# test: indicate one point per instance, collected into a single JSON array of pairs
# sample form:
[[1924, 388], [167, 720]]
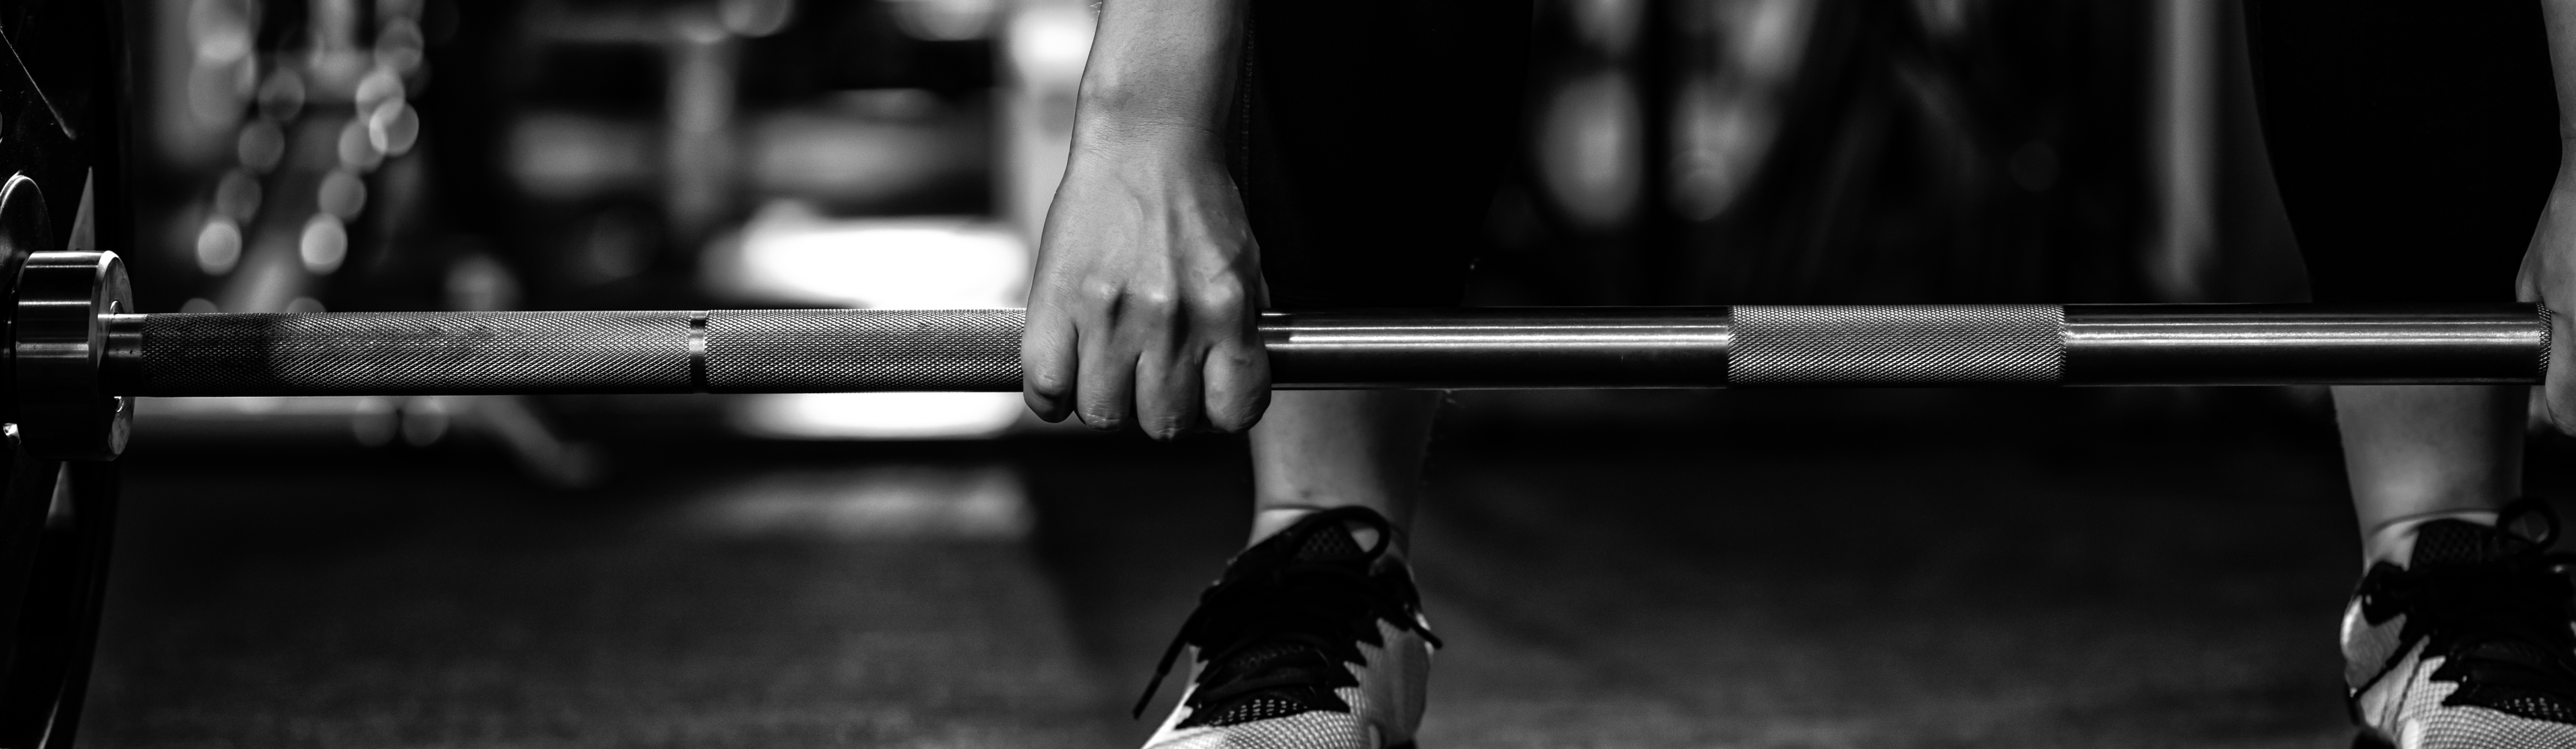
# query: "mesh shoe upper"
[[1308, 640], [2470, 645]]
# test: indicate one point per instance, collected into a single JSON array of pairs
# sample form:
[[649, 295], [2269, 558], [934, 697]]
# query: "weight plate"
[[63, 130], [55, 522]]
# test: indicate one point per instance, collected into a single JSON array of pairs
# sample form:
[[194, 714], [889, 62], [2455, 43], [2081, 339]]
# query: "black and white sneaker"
[[1309, 641], [2472, 644]]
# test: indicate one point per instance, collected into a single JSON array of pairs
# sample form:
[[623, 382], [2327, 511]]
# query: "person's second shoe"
[[1313, 639], [2468, 645]]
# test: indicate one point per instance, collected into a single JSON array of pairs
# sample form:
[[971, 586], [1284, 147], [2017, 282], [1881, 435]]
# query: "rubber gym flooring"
[[1904, 568]]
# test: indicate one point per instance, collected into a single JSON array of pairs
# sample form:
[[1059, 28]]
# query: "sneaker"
[[2470, 645], [1309, 641]]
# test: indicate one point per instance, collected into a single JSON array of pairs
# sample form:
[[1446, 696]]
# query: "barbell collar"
[[756, 351], [63, 409]]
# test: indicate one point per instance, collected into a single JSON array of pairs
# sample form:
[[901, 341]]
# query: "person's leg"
[[1371, 136], [2414, 147], [2419, 453], [1314, 638], [1320, 449]]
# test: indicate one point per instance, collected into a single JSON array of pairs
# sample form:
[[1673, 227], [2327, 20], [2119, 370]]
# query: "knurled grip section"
[[1898, 345], [359, 353], [2548, 330], [799, 351]]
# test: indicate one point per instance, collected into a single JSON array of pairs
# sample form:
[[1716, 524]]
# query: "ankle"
[[2393, 541]]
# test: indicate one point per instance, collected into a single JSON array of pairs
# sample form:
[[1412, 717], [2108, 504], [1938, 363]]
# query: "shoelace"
[[2500, 623], [1286, 625]]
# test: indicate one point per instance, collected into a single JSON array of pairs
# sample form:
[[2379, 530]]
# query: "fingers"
[[1119, 359], [1167, 392], [1238, 383], [1135, 364], [2558, 385], [1137, 286], [1105, 390], [1048, 353]]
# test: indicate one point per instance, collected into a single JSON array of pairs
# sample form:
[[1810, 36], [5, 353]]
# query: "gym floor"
[[1901, 568]]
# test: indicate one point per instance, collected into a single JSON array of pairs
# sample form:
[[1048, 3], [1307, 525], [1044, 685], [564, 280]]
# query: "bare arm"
[[1148, 280], [1160, 71]]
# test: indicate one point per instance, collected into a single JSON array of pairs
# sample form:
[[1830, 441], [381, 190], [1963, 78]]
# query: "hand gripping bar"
[[754, 351]]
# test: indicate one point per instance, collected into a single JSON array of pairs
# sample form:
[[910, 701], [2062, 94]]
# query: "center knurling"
[[1897, 345]]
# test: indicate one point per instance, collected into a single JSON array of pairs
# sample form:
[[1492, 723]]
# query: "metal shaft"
[[746, 351]]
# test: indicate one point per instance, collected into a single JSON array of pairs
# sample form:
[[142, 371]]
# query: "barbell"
[[80, 356], [75, 353]]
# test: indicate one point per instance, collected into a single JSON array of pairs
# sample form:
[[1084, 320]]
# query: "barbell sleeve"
[[754, 351]]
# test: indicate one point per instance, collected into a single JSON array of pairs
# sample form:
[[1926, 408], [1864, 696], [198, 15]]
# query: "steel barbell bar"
[[757, 351], [80, 355]]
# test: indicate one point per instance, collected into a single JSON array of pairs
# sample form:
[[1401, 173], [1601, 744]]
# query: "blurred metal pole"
[[2183, 107], [698, 122]]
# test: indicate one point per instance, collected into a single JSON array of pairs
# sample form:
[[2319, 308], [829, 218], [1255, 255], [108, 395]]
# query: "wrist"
[[1146, 147], [1135, 126], [1165, 91]]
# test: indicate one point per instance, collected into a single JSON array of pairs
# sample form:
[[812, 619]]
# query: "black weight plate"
[[36, 512], [57, 629], [61, 106], [63, 87]]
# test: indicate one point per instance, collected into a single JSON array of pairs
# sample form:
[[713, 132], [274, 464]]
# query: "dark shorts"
[[1369, 139], [2414, 143]]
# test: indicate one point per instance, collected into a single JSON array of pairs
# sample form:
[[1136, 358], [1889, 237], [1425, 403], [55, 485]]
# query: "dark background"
[[2105, 567]]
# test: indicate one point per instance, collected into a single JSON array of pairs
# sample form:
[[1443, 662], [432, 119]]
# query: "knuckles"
[[1217, 310], [1220, 303]]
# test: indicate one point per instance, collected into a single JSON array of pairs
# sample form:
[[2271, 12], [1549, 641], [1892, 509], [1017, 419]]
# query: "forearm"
[[1161, 74], [2559, 16]]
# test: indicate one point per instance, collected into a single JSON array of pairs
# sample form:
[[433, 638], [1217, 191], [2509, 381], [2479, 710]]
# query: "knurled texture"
[[800, 351], [2548, 330], [1898, 345], [416, 353]]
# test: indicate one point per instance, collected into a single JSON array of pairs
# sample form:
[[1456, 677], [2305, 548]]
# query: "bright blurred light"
[[219, 246], [567, 156], [754, 17], [789, 255], [342, 195], [1049, 43], [356, 150], [324, 244], [878, 415], [980, 502], [1592, 148], [867, 146], [393, 128], [944, 20]]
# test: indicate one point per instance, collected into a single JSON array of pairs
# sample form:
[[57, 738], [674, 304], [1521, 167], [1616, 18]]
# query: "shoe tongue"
[[1340, 534], [2442, 542], [1332, 542]]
